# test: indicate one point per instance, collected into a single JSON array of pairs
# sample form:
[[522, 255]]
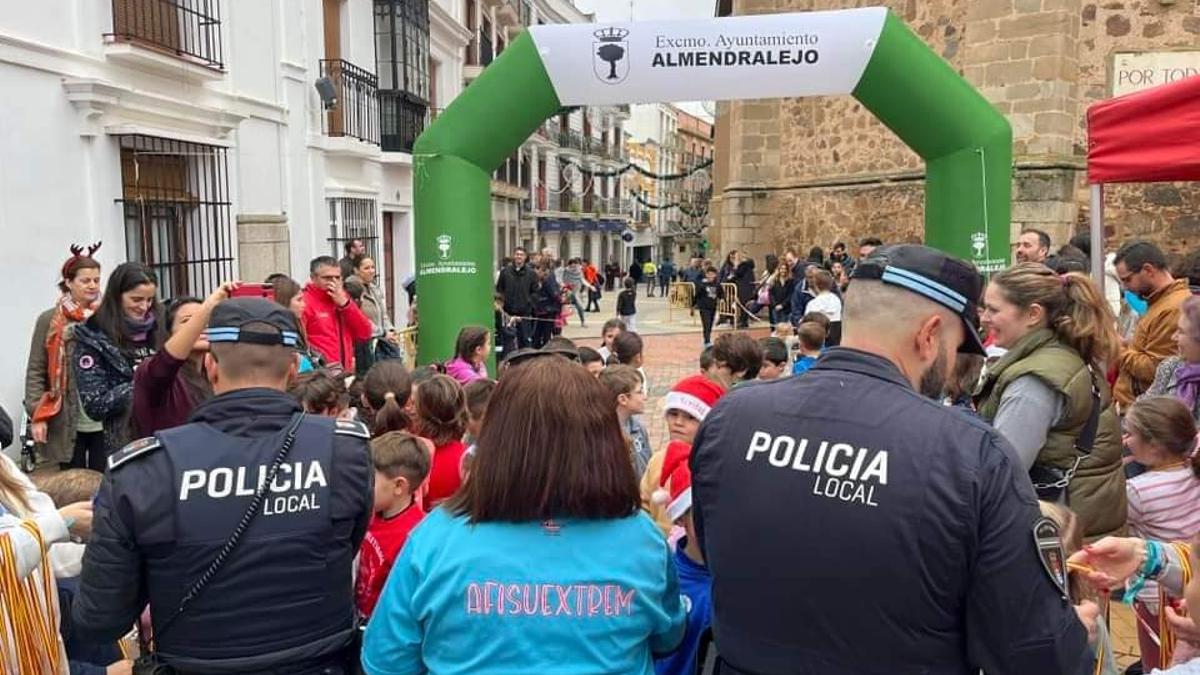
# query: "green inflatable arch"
[[869, 53]]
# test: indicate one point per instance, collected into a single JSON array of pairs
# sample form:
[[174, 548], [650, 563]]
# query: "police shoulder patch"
[[142, 446], [352, 428], [1048, 538]]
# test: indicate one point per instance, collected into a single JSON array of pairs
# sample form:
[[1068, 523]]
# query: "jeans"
[[593, 299], [650, 287], [630, 321], [543, 331], [525, 330], [706, 321], [578, 308]]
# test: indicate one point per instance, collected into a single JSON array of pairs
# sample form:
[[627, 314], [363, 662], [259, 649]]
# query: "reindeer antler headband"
[[78, 256]]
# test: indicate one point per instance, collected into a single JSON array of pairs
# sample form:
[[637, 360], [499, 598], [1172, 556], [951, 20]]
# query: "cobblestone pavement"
[[672, 352]]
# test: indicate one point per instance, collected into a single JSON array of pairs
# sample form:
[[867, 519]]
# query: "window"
[[188, 29], [402, 62], [175, 202], [351, 219]]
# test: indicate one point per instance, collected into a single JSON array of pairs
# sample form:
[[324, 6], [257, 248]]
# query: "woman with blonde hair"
[[1047, 395], [29, 614]]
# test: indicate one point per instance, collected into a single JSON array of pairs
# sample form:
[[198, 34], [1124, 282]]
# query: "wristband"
[[1150, 566], [70, 521]]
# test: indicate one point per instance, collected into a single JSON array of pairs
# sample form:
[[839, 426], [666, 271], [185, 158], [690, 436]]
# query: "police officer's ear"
[[293, 369], [210, 368], [929, 336]]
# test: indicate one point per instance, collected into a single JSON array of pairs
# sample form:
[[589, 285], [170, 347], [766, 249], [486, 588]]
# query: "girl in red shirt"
[[441, 410]]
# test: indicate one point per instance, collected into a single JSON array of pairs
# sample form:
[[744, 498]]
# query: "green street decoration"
[[868, 53]]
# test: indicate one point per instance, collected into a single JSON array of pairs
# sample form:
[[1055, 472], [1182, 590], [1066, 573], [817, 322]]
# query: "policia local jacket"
[[283, 601], [852, 525]]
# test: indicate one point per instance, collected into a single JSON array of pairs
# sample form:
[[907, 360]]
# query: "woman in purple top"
[[170, 384], [471, 353]]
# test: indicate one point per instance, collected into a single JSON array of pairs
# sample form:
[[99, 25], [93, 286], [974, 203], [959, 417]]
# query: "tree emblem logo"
[[978, 242], [610, 55], [443, 244]]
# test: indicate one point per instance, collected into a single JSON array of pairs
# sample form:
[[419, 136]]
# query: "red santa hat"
[[694, 395], [677, 475]]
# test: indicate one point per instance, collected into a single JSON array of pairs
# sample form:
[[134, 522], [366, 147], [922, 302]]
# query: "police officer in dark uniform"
[[280, 600], [852, 524]]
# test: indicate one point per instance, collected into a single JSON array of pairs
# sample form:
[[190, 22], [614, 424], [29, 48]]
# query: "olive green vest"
[[1097, 492]]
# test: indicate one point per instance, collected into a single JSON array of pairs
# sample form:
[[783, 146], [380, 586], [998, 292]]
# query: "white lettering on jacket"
[[243, 481], [841, 471]]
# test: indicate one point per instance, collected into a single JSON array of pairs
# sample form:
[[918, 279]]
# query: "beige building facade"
[[805, 172]]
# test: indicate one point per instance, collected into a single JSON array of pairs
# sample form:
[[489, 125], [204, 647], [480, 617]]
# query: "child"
[[737, 359], [478, 393], [441, 412], [591, 359], [687, 404], [612, 328], [1161, 435], [387, 391], [321, 393], [401, 464], [628, 350], [708, 293], [625, 386], [627, 304], [775, 358], [812, 336], [66, 559], [708, 364], [695, 582], [829, 304]]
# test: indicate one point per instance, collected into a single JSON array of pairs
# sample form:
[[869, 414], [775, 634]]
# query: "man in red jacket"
[[332, 322]]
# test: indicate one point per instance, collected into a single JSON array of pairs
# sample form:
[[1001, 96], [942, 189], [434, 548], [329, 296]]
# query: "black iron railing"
[[176, 205], [188, 29], [356, 113], [570, 139], [402, 119]]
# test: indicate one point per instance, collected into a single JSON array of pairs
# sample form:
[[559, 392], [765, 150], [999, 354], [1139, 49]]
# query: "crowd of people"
[[908, 459]]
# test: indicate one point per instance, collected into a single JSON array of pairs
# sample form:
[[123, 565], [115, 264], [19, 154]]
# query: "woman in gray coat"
[[60, 428]]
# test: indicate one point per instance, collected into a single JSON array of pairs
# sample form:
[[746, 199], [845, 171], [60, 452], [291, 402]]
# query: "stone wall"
[[812, 171]]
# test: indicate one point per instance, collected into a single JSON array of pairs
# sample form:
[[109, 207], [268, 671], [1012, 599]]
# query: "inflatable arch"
[[869, 53]]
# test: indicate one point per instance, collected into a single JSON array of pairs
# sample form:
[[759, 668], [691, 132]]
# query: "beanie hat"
[[694, 395], [675, 469]]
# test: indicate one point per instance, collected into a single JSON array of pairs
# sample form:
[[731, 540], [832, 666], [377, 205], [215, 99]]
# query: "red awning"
[[1147, 136]]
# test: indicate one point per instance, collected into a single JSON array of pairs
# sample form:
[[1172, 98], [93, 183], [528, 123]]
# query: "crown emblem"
[[613, 34], [979, 237]]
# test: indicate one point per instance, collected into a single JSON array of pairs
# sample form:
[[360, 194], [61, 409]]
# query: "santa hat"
[[678, 476], [694, 395]]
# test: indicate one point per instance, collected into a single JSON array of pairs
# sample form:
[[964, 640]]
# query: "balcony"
[[356, 112], [614, 206], [570, 140], [402, 119], [180, 30]]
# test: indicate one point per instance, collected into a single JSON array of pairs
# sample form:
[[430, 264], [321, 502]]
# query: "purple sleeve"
[[152, 385]]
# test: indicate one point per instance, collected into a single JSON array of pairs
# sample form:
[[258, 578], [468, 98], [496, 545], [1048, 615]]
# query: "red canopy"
[[1147, 136]]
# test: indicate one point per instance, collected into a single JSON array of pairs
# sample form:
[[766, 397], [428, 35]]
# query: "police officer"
[[854, 525], [280, 600]]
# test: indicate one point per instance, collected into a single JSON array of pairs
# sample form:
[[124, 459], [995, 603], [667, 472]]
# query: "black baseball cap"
[[952, 283], [229, 318]]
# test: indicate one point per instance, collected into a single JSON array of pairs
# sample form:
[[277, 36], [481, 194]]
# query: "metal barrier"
[[408, 343], [681, 295], [728, 305]]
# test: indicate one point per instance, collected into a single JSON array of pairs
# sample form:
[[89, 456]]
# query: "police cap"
[[946, 280], [229, 319]]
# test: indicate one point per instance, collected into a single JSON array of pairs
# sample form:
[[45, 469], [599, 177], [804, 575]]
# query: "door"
[[332, 15]]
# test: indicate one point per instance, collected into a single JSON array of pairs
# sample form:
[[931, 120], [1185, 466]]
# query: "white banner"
[[741, 57]]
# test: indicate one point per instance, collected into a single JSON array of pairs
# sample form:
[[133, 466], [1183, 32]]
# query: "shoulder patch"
[[352, 428], [1047, 537], [136, 449]]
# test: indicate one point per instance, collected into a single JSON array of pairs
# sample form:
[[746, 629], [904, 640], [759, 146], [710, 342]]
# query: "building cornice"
[[446, 30], [104, 107]]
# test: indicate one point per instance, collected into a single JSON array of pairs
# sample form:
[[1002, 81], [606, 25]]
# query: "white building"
[[188, 134], [655, 125], [546, 195]]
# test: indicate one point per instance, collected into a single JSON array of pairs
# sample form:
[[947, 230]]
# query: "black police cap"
[[946, 280], [229, 318]]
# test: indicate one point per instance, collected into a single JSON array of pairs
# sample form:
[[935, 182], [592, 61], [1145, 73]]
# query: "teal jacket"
[[569, 596]]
